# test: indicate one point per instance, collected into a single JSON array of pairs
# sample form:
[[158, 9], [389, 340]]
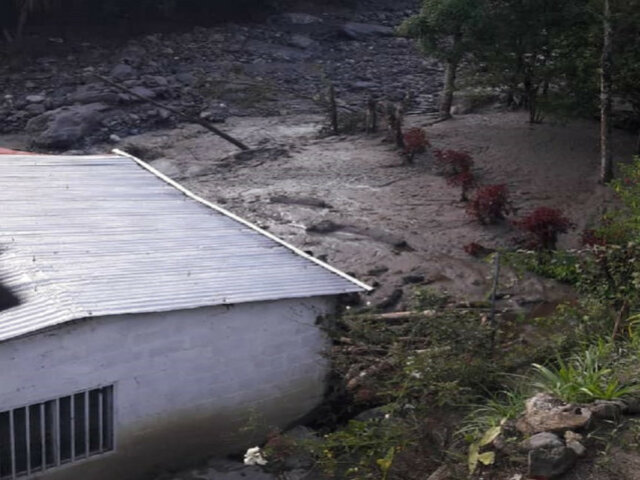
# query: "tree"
[[532, 46], [448, 30], [606, 82]]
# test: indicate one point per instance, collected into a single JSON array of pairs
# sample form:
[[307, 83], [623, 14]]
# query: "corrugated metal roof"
[[105, 235]]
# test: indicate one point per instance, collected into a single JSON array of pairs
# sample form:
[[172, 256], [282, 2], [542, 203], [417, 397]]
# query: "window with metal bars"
[[37, 437]]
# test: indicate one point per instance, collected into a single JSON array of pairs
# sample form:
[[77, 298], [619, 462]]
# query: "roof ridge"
[[241, 220]]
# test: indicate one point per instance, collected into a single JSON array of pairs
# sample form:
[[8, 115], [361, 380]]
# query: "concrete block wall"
[[188, 384]]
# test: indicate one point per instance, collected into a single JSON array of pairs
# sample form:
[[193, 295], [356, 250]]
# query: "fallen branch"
[[188, 118], [396, 315]]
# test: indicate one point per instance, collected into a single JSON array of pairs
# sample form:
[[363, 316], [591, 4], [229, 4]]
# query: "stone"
[[542, 440], [411, 279], [143, 92], [324, 226], [123, 71], [633, 405], [35, 98], [442, 473], [607, 409], [301, 41], [550, 463], [364, 85], [294, 18], [92, 93], [114, 138], [362, 31], [544, 413], [35, 108], [65, 126], [577, 447], [186, 78]]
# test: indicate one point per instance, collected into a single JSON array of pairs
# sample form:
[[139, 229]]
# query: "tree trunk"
[[606, 157], [449, 88], [22, 20], [333, 110]]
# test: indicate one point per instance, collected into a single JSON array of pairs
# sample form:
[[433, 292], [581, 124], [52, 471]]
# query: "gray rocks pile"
[[554, 443], [231, 69]]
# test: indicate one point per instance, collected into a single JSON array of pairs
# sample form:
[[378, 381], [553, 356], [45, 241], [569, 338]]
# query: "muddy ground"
[[393, 225]]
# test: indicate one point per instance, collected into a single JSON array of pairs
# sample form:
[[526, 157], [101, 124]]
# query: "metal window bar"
[[52, 430], [27, 430]]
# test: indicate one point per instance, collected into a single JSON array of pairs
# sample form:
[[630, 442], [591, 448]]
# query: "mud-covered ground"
[[354, 201]]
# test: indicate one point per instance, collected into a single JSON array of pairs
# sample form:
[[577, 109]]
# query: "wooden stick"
[[188, 118]]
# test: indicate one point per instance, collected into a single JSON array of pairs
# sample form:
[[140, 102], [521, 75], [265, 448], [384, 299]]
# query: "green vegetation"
[[453, 368]]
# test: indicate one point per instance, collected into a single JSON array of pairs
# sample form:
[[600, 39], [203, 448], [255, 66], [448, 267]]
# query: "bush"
[[542, 227], [466, 181], [415, 141], [490, 204], [454, 162]]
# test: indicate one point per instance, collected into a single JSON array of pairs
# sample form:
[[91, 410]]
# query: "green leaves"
[[486, 458]]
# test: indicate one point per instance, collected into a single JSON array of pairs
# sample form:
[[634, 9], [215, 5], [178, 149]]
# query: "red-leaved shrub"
[[542, 227], [490, 204], [415, 141], [454, 162], [465, 180]]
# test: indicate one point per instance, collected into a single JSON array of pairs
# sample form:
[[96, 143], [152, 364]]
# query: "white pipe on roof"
[[252, 226]]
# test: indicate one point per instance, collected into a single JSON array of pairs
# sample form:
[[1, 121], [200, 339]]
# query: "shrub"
[[542, 227], [465, 180], [490, 204], [415, 141], [454, 162]]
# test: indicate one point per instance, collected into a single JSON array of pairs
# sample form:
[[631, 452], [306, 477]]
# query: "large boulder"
[[544, 413], [65, 126], [547, 463], [362, 31]]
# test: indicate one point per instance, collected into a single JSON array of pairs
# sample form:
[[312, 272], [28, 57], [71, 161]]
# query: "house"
[[154, 329]]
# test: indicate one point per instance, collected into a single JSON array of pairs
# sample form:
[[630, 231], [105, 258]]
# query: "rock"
[[410, 279], [35, 108], [544, 413], [633, 405], [374, 272], [301, 41], [92, 93], [63, 127], [304, 201], [155, 81], [143, 92], [550, 463], [114, 138], [35, 98], [293, 18], [362, 31], [442, 473], [579, 449], [542, 440], [364, 85], [123, 71], [186, 78], [324, 226], [391, 300], [607, 409]]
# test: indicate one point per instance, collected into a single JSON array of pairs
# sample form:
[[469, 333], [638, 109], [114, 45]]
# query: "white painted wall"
[[188, 384]]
